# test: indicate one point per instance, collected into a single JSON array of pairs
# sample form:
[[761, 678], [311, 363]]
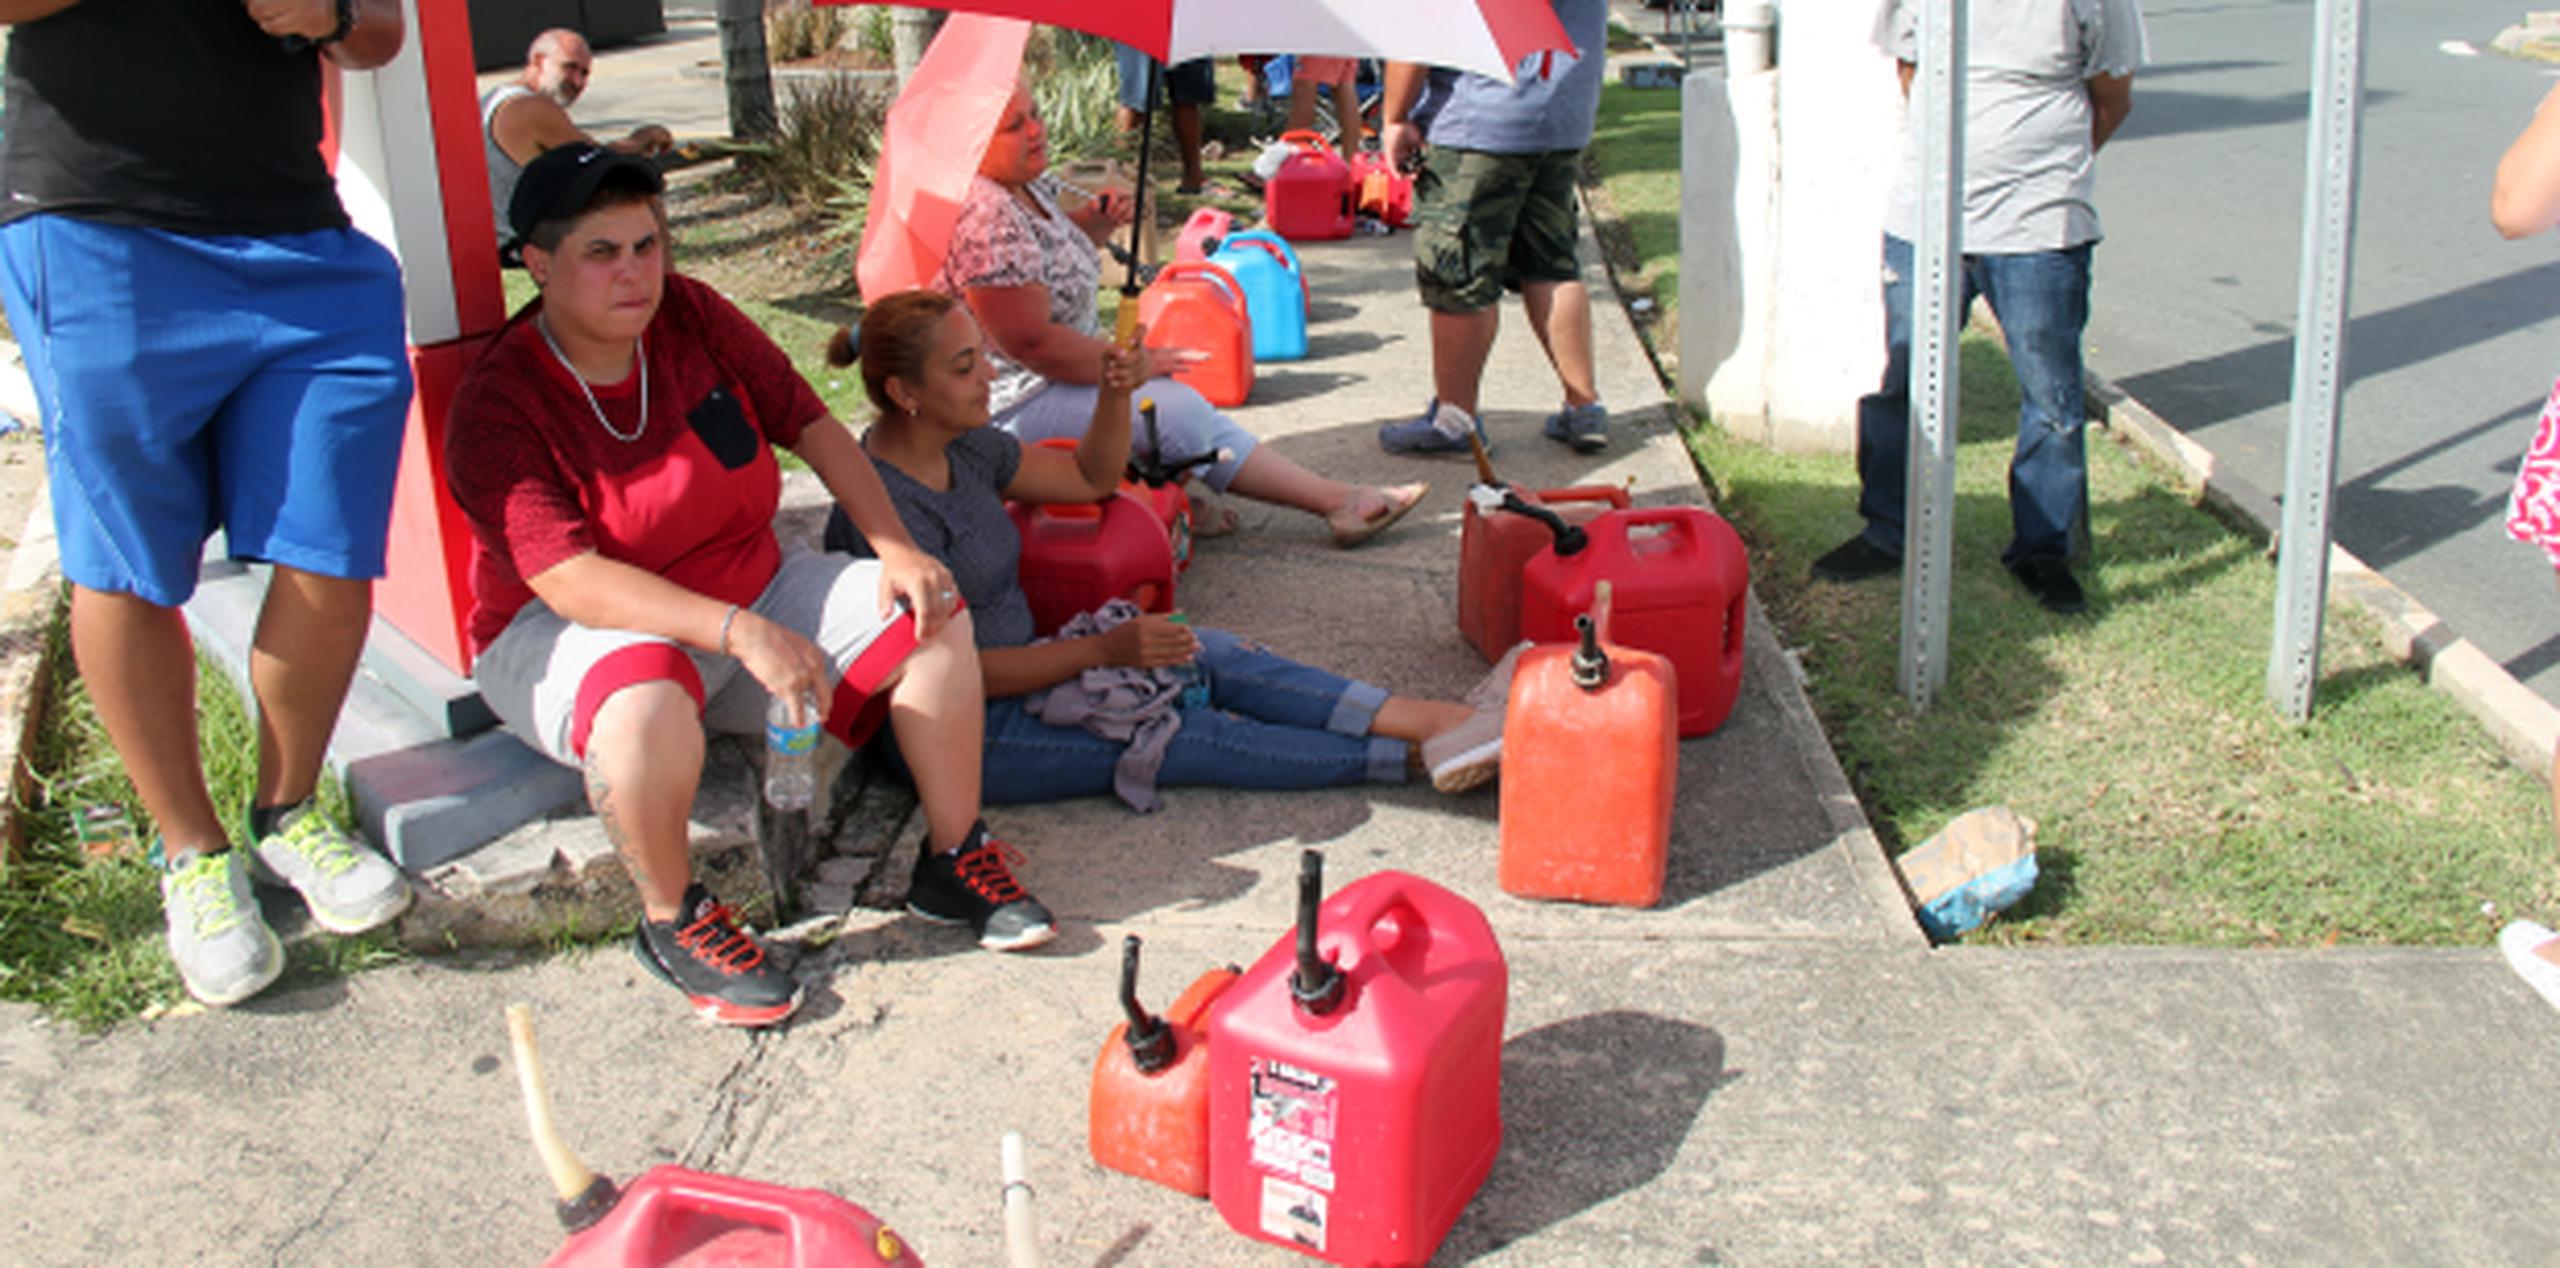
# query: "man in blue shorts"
[[213, 347], [1494, 210]]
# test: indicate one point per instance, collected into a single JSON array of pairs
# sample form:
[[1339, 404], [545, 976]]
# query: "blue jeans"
[[2042, 301], [1271, 723]]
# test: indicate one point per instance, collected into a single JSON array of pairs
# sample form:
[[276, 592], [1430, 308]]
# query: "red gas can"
[[1149, 1113], [1380, 190], [1590, 758], [1195, 304], [672, 1216], [1201, 233], [1355, 1082], [1076, 556], [1494, 546], [1682, 583], [1310, 197]]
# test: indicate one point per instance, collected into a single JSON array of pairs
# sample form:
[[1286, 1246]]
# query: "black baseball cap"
[[560, 182]]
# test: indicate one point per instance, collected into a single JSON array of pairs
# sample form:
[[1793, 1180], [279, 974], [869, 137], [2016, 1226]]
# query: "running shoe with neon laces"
[[973, 885], [722, 969], [348, 887], [224, 951]]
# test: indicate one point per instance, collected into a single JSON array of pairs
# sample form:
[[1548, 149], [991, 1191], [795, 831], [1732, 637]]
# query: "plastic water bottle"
[[1195, 684], [790, 754]]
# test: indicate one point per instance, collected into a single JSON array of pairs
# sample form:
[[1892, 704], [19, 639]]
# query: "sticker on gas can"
[[1292, 1122], [1293, 1212]]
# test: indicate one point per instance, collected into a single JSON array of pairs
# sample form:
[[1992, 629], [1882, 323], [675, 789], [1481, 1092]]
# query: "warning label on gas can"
[[1292, 1125], [1293, 1211]]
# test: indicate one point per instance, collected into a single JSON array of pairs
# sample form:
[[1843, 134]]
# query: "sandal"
[[1355, 522]]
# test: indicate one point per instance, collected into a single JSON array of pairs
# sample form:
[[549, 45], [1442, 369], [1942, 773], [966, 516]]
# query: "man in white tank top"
[[529, 114]]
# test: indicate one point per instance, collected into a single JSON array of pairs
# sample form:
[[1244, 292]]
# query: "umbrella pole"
[[1128, 317]]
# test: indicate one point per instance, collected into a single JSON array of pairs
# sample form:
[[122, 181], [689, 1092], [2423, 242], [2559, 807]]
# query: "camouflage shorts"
[[1482, 222]]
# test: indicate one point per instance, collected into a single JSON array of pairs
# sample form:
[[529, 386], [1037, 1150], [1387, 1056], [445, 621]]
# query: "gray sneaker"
[[224, 950], [1585, 427], [1467, 755], [348, 887]]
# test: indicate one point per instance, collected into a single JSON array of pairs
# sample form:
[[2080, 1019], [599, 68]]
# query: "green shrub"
[[826, 137], [796, 30], [1076, 84]]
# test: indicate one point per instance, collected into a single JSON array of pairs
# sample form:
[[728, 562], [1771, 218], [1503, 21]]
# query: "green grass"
[[82, 938], [2173, 805]]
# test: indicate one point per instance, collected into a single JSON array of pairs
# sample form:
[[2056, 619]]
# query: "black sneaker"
[[723, 970], [1855, 560], [973, 885], [2050, 581]]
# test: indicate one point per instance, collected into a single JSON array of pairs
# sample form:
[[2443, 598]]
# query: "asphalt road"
[[2455, 332]]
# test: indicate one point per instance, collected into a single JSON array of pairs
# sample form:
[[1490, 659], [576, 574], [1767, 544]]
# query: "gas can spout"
[[1590, 664], [1317, 985], [1150, 1040]]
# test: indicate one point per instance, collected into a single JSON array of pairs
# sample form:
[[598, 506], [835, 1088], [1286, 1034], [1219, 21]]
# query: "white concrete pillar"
[[1839, 126], [1728, 251]]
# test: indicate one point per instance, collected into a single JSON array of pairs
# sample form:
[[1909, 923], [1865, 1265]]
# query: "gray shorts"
[[545, 676]]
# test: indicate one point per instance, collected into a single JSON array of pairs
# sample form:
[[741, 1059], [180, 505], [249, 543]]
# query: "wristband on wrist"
[[726, 618], [346, 23]]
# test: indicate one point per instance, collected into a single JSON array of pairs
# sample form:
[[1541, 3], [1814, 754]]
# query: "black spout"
[[1570, 539], [1317, 985], [1590, 664], [1150, 1040]]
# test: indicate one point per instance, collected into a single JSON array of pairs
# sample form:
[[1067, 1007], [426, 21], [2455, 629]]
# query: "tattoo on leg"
[[600, 796]]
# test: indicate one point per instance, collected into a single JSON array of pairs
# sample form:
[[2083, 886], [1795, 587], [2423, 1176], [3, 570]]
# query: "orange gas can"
[[1495, 543], [1198, 305], [1149, 1113], [1590, 757], [1076, 556], [1683, 583]]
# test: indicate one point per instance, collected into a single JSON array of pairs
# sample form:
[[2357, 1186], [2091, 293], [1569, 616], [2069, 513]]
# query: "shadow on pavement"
[[1591, 1108]]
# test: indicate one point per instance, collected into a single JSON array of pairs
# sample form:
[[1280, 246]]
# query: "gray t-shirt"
[[999, 242], [967, 529], [1548, 106], [2030, 172]]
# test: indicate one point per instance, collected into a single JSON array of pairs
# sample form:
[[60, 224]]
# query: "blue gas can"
[[1275, 291]]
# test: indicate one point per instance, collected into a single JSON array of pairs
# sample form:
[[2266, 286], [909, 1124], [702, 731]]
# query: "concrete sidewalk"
[[1771, 1067]]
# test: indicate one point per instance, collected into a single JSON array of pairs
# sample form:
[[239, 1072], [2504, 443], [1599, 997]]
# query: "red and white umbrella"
[[1490, 37]]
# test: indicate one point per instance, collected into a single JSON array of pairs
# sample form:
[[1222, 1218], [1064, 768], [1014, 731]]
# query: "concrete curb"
[[31, 599], [2525, 726]]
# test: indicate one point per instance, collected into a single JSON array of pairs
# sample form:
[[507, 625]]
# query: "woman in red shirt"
[[613, 453]]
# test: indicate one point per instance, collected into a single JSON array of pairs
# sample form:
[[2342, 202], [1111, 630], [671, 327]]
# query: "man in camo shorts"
[[1494, 209]]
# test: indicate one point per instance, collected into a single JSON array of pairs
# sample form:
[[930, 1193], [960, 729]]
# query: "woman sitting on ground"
[[1028, 272], [1266, 722], [613, 452]]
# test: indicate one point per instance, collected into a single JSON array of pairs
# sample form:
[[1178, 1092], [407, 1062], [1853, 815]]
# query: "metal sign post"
[[2319, 357], [1937, 261]]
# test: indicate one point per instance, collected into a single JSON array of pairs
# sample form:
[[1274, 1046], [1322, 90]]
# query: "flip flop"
[[1351, 529]]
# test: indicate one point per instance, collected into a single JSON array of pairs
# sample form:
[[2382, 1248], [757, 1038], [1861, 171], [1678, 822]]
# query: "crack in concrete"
[[741, 1104], [321, 1212]]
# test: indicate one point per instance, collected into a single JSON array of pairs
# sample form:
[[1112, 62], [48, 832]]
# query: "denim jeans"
[[2042, 301], [1271, 723]]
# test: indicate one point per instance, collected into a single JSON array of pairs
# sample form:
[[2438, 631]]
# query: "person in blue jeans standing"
[[1103, 706], [2048, 81]]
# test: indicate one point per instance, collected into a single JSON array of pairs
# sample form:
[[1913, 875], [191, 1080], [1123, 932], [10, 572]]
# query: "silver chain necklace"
[[642, 352]]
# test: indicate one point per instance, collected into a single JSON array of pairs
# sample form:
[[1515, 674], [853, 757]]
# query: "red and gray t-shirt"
[[691, 498]]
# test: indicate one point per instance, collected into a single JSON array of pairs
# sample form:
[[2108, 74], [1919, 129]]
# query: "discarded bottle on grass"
[[790, 754]]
